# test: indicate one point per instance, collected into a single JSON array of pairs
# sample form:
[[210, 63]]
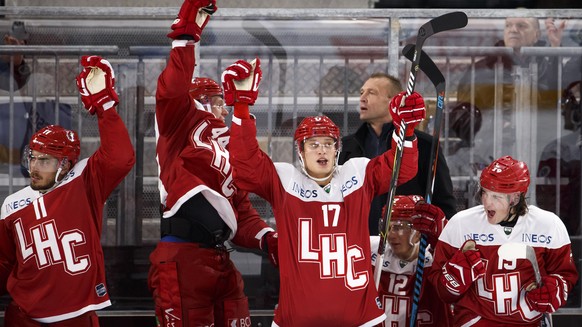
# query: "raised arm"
[[173, 101], [115, 157]]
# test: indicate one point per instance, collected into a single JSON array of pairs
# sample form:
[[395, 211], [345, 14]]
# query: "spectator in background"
[[21, 70], [460, 142], [374, 138], [518, 33], [572, 71], [565, 158], [568, 161]]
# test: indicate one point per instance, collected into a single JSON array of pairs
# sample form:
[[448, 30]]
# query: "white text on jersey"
[[335, 258], [46, 243]]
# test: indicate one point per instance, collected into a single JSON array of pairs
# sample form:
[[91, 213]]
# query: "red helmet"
[[58, 142], [316, 126], [202, 89], [403, 207], [506, 175]]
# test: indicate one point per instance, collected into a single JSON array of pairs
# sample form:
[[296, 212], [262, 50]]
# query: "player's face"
[[520, 32], [218, 107], [43, 168], [399, 238], [497, 205], [375, 100], [319, 155]]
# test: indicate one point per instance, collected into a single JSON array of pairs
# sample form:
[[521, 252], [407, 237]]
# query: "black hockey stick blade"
[[448, 21], [428, 66]]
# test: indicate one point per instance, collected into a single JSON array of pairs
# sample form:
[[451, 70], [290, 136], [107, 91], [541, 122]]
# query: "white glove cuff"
[[108, 105]]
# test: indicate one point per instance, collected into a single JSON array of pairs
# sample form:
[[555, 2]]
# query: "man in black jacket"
[[373, 139]]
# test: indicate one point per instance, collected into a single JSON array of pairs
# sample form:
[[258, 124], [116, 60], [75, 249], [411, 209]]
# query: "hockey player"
[[209, 94], [411, 215], [192, 279], [321, 210], [488, 289], [51, 260]]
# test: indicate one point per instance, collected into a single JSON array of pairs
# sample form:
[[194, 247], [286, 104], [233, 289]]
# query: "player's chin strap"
[[511, 219], [57, 181], [416, 246], [414, 232], [204, 107], [322, 179]]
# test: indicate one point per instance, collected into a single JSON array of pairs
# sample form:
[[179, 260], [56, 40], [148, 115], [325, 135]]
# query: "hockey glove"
[[550, 296], [409, 109], [192, 18], [465, 267], [241, 82], [428, 219], [270, 245], [96, 84]]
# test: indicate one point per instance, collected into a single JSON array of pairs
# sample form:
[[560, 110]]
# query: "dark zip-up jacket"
[[353, 146]]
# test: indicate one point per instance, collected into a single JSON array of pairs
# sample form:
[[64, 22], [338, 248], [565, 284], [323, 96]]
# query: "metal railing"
[[295, 83]]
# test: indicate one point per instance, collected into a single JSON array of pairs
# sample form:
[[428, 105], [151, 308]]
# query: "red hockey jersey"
[[192, 153], [51, 248], [324, 246], [498, 299]]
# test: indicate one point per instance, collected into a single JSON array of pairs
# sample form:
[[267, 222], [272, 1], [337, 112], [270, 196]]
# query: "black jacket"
[[353, 146], [21, 75]]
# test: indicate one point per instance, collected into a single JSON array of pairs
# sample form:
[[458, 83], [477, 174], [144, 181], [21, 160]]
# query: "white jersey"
[[18, 200], [395, 265], [497, 299], [396, 291]]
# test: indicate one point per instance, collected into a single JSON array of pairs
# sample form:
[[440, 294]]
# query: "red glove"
[[550, 296], [96, 84], [270, 245], [428, 219], [463, 269], [192, 18], [241, 82], [409, 109]]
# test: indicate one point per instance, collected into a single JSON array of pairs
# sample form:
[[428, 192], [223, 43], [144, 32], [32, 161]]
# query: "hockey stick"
[[514, 251], [438, 80], [445, 22]]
